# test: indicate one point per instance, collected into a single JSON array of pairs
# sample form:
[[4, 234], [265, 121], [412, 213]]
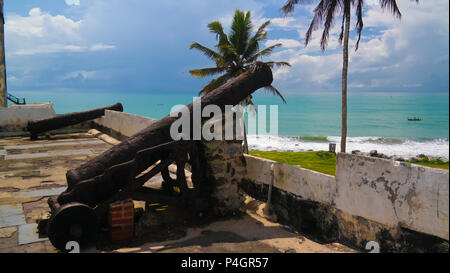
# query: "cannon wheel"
[[72, 222]]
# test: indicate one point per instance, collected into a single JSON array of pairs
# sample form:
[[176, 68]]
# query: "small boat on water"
[[414, 119]]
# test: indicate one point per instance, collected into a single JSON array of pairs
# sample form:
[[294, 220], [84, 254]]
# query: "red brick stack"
[[121, 219]]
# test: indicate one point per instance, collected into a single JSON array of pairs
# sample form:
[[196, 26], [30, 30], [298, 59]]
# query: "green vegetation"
[[325, 162], [431, 163], [321, 161], [313, 138], [234, 54]]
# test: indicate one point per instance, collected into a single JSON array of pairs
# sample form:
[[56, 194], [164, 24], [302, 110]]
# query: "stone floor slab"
[[7, 232], [11, 215], [56, 144], [40, 193], [28, 234], [54, 154]]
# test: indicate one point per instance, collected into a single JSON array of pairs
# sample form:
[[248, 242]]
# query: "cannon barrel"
[[231, 93], [43, 125]]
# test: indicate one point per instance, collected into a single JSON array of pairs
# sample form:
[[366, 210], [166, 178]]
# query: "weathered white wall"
[[384, 191], [124, 123], [394, 193], [299, 181], [16, 117]]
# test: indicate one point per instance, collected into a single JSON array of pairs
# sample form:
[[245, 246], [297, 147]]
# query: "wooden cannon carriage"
[[120, 172]]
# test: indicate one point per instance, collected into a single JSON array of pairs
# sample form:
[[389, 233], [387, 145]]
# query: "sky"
[[143, 46]]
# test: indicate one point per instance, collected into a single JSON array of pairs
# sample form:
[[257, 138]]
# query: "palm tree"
[[235, 53], [325, 13]]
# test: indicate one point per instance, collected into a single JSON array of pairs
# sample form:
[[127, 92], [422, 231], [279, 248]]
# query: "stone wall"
[[403, 207], [394, 193], [304, 183], [224, 166], [15, 117], [122, 125]]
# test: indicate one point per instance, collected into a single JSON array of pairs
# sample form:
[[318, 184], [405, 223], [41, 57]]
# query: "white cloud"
[[42, 33], [393, 54], [287, 43], [73, 2], [283, 22], [42, 25], [312, 69], [100, 46], [84, 75], [49, 49]]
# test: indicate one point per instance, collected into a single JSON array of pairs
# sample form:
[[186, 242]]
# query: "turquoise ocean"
[[376, 121]]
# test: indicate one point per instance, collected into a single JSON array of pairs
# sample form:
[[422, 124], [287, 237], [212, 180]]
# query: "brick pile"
[[121, 220]]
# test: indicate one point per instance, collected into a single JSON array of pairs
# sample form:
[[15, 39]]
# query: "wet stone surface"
[[30, 172]]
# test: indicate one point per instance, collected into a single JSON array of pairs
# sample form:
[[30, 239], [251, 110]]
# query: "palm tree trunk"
[[344, 79]]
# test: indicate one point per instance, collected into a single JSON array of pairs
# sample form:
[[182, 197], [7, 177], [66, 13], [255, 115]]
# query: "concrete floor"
[[32, 171], [250, 233]]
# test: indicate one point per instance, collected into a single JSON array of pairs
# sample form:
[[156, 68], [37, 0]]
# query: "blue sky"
[[143, 46]]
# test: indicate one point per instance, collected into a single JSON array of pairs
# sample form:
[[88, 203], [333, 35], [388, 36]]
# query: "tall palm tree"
[[325, 13], [235, 53]]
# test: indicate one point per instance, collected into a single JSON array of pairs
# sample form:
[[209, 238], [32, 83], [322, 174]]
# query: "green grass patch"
[[325, 162], [431, 163], [321, 161], [313, 138]]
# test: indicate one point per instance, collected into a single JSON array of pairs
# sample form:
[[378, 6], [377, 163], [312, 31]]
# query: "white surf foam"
[[405, 148]]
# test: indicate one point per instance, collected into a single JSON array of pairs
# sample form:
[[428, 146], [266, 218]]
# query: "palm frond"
[[331, 10], [235, 53], [289, 5], [240, 31], [215, 83], [391, 5], [206, 51], [261, 28], [316, 21], [359, 22], [205, 72], [274, 91], [278, 64], [216, 28], [265, 52], [253, 44], [341, 35], [230, 55], [248, 103]]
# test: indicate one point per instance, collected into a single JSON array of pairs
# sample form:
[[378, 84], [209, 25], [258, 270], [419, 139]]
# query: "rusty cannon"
[[36, 127], [121, 172]]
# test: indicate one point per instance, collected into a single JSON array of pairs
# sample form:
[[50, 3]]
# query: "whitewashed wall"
[[124, 123], [299, 181], [384, 191], [16, 117], [394, 193]]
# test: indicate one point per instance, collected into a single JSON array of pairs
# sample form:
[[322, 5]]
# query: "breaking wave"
[[402, 147]]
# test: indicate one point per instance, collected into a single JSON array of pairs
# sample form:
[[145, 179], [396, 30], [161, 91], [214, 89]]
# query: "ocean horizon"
[[376, 121]]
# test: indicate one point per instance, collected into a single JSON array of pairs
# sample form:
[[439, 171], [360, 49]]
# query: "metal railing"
[[15, 99]]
